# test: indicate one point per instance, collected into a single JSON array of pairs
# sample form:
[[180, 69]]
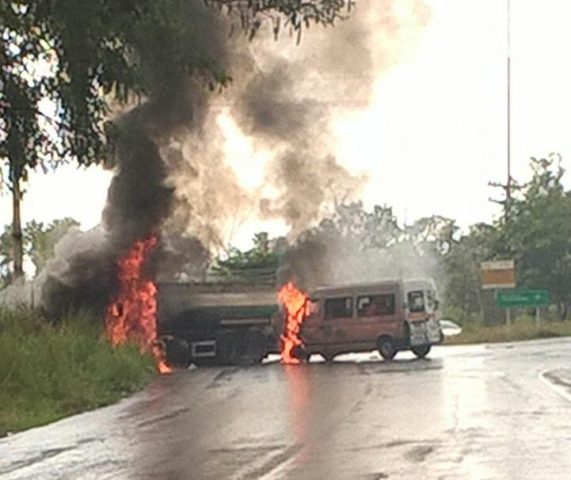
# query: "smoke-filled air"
[[176, 176]]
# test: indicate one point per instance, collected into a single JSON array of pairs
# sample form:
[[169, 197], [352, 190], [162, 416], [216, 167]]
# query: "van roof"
[[371, 286]]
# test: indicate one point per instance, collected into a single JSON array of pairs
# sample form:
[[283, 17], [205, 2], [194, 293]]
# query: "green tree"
[[537, 233], [461, 265], [352, 222], [24, 144], [83, 56], [40, 240], [5, 257], [259, 263], [38, 244]]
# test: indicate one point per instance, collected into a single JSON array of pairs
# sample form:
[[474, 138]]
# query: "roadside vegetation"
[[522, 329], [52, 371]]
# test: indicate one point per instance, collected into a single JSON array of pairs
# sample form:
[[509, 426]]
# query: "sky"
[[434, 132]]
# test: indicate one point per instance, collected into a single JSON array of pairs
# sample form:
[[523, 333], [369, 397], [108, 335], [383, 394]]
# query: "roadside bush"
[[51, 371], [523, 328]]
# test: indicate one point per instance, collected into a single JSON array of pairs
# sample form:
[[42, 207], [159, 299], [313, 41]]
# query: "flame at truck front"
[[296, 306], [132, 313]]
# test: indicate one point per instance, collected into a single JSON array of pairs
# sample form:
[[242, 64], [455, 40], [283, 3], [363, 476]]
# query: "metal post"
[[509, 182], [509, 317], [537, 320]]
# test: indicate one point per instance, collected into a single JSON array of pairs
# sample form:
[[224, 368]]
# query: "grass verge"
[[52, 371], [521, 329]]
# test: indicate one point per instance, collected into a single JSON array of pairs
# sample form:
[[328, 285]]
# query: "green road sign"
[[522, 298]]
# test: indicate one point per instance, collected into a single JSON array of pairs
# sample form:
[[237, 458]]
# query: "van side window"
[[339, 307], [416, 301], [373, 305]]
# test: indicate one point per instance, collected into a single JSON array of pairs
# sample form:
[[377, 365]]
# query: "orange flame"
[[132, 315], [296, 306]]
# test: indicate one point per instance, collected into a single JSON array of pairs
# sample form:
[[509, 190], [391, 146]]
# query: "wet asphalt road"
[[478, 412]]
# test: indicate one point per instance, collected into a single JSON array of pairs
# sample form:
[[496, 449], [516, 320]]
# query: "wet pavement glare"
[[478, 412]]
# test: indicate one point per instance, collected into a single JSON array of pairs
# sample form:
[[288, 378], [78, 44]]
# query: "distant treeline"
[[534, 230], [356, 244]]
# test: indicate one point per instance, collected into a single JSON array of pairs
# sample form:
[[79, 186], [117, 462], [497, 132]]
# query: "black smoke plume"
[[171, 178], [139, 199]]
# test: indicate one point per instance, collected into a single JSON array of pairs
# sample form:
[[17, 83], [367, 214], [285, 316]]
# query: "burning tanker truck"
[[242, 323]]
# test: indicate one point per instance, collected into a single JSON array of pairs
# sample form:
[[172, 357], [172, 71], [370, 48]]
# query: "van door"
[[336, 314]]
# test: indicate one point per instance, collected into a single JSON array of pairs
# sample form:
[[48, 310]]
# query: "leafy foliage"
[[355, 244], [260, 262], [5, 257], [461, 267], [39, 242], [537, 232], [64, 63], [85, 55]]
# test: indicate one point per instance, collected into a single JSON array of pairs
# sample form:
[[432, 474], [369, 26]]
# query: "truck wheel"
[[255, 347], [386, 348], [205, 362], [421, 351], [228, 349], [177, 353]]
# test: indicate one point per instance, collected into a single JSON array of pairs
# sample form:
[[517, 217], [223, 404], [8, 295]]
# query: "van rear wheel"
[[300, 353], [421, 351], [386, 348]]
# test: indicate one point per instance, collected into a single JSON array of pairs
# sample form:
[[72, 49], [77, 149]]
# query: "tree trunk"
[[562, 310], [17, 237]]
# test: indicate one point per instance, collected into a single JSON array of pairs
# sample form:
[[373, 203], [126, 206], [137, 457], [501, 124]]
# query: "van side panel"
[[354, 332]]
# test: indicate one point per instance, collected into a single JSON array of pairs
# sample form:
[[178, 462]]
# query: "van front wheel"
[[421, 351], [386, 348]]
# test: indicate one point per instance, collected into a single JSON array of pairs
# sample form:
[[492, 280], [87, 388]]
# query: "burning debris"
[[296, 305]]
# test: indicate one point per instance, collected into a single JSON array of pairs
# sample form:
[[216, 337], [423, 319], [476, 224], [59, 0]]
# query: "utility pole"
[[510, 184], [509, 110], [491, 311]]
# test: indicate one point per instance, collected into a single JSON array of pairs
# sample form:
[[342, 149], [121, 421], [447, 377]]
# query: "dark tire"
[[386, 348], [205, 362], [255, 347], [300, 354], [177, 353], [228, 349], [421, 351]]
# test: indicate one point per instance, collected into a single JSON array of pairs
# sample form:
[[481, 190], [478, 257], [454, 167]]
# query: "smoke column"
[[171, 176], [139, 199]]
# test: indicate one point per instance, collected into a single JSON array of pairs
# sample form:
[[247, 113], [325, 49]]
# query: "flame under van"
[[390, 316]]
